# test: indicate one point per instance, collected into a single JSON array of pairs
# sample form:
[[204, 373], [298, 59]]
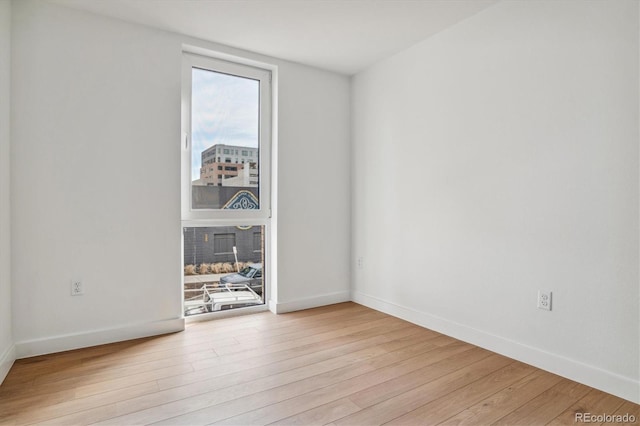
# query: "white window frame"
[[189, 61], [219, 217]]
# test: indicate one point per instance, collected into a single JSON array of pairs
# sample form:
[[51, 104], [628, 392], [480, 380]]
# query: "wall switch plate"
[[77, 288], [544, 300], [360, 263]]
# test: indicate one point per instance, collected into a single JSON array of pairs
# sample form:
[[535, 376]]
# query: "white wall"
[[6, 341], [96, 179], [523, 121], [314, 194]]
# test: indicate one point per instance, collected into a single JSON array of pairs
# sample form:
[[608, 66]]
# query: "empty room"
[[319, 212]]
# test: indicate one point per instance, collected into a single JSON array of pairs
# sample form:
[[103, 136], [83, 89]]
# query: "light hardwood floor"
[[342, 364]]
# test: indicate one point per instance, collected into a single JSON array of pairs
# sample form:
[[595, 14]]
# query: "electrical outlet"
[[544, 300], [360, 263], [76, 288]]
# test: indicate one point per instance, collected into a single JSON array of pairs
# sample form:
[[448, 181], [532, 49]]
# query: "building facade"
[[215, 244], [221, 162]]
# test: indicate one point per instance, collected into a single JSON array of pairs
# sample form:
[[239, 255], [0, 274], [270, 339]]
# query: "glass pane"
[[223, 268], [225, 125]]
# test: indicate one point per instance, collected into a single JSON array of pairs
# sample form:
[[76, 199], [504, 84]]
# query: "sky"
[[224, 109]]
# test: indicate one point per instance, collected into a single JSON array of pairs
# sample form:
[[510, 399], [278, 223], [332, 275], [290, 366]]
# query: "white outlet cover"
[[77, 288], [544, 300]]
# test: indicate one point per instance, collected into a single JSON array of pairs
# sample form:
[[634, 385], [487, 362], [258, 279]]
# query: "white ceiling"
[[345, 36]]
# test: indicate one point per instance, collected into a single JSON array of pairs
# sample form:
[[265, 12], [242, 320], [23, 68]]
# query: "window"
[[257, 241], [223, 243], [214, 271], [231, 103], [226, 114]]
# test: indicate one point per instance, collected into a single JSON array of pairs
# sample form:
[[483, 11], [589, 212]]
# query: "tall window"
[[226, 201]]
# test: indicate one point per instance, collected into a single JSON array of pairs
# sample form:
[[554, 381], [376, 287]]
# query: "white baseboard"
[[6, 361], [606, 381], [272, 306], [29, 348], [309, 302]]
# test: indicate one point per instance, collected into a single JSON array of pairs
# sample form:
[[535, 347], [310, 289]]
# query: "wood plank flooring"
[[342, 365]]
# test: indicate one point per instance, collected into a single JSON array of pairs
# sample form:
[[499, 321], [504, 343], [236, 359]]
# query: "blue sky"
[[224, 109]]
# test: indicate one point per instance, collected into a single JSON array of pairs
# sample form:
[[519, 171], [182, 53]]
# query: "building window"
[[224, 243]]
